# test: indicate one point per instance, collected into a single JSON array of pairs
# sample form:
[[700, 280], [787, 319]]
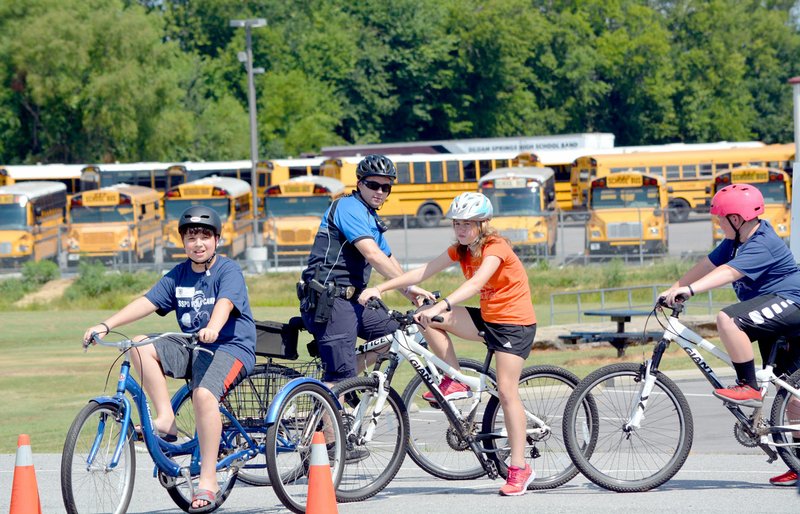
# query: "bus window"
[[453, 173], [31, 215], [437, 175], [706, 169], [470, 171], [689, 171], [403, 174], [485, 167], [120, 222], [420, 174]]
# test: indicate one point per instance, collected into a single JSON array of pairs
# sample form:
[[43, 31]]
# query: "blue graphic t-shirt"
[[765, 261], [192, 296]]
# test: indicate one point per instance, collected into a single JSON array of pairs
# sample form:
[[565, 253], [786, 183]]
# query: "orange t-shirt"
[[506, 297]]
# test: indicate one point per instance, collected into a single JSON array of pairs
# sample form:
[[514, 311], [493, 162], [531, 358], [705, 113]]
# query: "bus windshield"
[[297, 206], [174, 208], [624, 197], [773, 192], [13, 216], [520, 201], [104, 214]]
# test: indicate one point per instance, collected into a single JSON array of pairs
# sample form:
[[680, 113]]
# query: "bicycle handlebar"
[[191, 341], [404, 318], [677, 307]]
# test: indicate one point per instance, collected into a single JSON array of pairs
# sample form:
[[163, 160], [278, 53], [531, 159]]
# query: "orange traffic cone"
[[321, 497], [24, 492]]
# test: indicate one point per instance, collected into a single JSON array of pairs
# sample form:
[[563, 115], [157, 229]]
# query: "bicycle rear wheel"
[[629, 459], [544, 391], [306, 409], [433, 443], [783, 415], [370, 465], [248, 401], [88, 483]]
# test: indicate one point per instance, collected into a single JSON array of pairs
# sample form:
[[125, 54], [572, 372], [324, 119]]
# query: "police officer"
[[349, 243]]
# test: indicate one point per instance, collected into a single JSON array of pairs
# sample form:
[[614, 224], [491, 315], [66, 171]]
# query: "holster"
[[325, 303]]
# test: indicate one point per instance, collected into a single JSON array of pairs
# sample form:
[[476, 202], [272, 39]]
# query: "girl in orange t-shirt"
[[505, 316]]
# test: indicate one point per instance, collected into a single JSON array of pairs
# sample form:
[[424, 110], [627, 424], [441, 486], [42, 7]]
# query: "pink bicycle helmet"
[[742, 199]]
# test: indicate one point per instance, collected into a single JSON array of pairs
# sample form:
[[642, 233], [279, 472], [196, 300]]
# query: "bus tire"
[[429, 215], [679, 210]]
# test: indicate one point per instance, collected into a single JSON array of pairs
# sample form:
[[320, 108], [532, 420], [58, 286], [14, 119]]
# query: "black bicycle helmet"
[[200, 216], [376, 165]]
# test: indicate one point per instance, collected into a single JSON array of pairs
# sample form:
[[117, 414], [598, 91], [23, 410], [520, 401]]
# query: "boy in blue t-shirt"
[[766, 280], [209, 297]]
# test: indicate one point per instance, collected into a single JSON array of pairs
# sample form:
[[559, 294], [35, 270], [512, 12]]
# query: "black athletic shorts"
[[502, 337], [765, 319]]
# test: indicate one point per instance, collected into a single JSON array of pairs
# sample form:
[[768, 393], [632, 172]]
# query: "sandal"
[[206, 496], [168, 438]]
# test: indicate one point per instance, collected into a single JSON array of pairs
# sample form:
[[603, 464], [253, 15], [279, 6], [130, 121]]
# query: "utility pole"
[[794, 238]]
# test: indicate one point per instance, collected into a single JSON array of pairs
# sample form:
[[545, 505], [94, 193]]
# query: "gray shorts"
[[217, 373]]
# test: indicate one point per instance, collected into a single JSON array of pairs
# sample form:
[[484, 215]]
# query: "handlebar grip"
[[437, 319]]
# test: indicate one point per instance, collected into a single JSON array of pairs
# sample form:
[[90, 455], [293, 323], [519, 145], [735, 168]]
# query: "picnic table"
[[619, 339]]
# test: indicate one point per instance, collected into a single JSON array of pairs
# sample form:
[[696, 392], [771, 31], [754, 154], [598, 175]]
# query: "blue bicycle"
[[99, 460]]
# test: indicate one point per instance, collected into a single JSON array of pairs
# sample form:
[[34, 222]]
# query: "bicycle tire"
[[248, 401], [306, 409], [179, 488], [544, 391], [367, 477], [433, 444], [779, 417], [81, 488], [660, 445]]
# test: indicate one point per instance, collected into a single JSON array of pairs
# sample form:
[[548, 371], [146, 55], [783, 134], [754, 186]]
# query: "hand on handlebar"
[[207, 335], [368, 294], [674, 295], [430, 313], [418, 295], [99, 330]]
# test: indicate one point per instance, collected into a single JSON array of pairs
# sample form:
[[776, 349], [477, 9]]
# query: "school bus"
[[774, 184], [524, 202], [120, 222], [688, 173], [152, 175], [278, 171], [426, 183], [627, 215], [230, 197], [31, 215], [294, 209], [67, 174]]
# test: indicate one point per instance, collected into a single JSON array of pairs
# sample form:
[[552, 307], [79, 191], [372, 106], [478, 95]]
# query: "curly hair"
[[487, 234]]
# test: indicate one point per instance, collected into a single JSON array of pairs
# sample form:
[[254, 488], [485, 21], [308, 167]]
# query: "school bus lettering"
[[6, 199], [201, 191], [623, 180], [749, 176], [298, 187], [509, 183], [99, 197]]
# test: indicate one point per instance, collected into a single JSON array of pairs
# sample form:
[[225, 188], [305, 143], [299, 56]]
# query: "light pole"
[[794, 238], [258, 253]]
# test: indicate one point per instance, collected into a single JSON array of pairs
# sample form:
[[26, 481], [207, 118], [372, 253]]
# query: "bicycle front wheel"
[[544, 391], [434, 444], [629, 459], [371, 462], [88, 481], [306, 409], [786, 411]]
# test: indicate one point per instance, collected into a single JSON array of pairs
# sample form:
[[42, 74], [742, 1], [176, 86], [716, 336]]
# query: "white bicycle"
[[644, 422]]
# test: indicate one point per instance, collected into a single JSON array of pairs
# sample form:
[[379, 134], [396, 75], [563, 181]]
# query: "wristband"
[[447, 302], [691, 291], [105, 326]]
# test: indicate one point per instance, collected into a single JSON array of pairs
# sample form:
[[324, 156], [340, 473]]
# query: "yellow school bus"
[[426, 183], [627, 215], [688, 173], [524, 202], [120, 222], [776, 187], [230, 197], [67, 174], [31, 215], [294, 209]]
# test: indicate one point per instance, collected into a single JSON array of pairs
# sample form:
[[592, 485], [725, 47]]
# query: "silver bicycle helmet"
[[470, 206], [375, 165]]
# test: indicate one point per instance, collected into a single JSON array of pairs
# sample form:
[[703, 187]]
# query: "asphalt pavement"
[[719, 476]]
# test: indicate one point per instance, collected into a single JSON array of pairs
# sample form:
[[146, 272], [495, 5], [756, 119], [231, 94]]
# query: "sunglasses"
[[371, 184]]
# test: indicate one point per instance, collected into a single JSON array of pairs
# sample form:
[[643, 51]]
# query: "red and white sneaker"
[[740, 394], [789, 478], [450, 389], [518, 481]]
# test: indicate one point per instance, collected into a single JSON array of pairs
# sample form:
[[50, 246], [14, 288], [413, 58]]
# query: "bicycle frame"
[[690, 342]]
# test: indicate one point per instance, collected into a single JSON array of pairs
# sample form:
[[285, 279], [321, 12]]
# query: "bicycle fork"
[[647, 376]]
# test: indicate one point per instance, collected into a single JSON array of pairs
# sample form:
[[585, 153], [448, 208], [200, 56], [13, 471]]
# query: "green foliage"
[[38, 273], [97, 288]]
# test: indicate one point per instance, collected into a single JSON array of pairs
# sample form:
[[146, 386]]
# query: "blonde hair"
[[487, 234]]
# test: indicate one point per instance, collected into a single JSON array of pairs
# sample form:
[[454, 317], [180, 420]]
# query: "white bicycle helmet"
[[470, 206]]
